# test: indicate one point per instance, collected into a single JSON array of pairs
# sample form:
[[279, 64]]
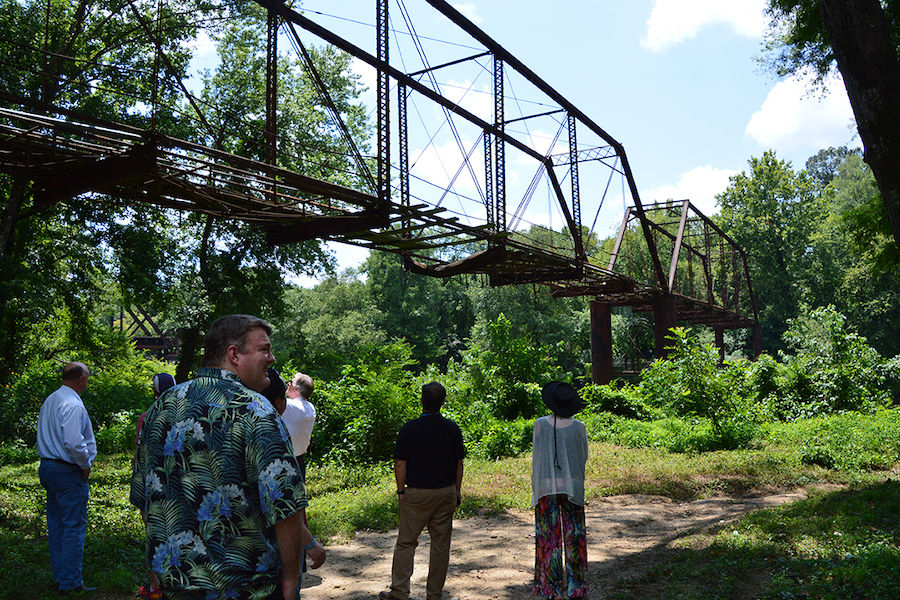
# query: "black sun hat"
[[561, 398]]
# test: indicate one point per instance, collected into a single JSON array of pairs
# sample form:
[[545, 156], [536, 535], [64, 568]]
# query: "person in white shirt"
[[67, 448], [302, 414], [298, 414]]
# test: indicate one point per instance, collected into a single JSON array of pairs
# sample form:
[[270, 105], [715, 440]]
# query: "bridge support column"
[[757, 340], [601, 342], [720, 342], [665, 318]]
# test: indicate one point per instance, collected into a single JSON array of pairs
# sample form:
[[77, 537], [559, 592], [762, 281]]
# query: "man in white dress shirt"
[[66, 445], [302, 414]]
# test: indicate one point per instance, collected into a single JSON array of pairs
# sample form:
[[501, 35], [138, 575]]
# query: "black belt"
[[61, 461]]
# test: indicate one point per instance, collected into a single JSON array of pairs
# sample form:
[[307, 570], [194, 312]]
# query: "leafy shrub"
[[852, 441], [118, 435], [688, 384], [623, 400], [504, 372], [17, 453], [833, 370], [502, 439], [359, 416], [118, 383]]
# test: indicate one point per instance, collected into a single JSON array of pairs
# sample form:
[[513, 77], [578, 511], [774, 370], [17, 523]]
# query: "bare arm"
[[459, 476], [293, 536], [288, 533], [400, 476]]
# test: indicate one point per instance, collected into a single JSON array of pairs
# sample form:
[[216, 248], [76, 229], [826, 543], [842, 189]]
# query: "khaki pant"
[[421, 507]]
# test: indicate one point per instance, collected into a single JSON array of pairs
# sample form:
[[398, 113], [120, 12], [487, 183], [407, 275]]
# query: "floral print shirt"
[[214, 472]]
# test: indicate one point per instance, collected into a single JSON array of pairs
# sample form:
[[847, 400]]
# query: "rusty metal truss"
[[462, 221]]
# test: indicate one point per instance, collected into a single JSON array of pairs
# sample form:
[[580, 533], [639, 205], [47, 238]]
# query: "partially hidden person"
[[67, 448], [217, 479], [428, 468], [559, 456], [298, 416]]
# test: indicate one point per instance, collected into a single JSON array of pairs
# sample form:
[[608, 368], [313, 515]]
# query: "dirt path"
[[493, 557]]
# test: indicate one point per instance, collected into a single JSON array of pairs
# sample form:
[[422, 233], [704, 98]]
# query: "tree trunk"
[[11, 213], [859, 35]]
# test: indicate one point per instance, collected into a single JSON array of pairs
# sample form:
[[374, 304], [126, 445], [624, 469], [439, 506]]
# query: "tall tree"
[[233, 267], [328, 326], [857, 231], [861, 38], [433, 315], [54, 54], [771, 212]]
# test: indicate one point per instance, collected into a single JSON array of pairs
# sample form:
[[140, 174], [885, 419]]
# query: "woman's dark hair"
[[276, 388]]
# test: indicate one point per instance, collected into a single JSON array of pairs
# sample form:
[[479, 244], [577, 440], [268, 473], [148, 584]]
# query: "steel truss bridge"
[[460, 126]]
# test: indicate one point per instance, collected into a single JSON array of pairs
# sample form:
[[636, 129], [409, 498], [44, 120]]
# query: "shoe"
[[386, 596], [145, 592]]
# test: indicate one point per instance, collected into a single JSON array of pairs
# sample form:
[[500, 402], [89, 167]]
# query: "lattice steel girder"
[[94, 174], [383, 102], [386, 70]]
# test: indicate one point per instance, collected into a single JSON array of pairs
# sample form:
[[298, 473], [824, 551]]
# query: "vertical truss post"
[[489, 181], [403, 140], [383, 106], [271, 134], [736, 274], [573, 173], [708, 268], [271, 85], [499, 148]]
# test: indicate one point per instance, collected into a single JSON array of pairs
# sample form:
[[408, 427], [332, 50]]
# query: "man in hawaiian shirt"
[[218, 481]]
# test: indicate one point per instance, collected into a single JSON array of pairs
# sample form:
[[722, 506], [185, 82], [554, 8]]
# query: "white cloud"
[[790, 119], [479, 102], [699, 185], [469, 11], [673, 21]]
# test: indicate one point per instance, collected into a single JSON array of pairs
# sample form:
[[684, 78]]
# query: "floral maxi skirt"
[[559, 534]]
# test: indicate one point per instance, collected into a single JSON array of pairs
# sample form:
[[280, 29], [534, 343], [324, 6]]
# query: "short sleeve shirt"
[[214, 472], [432, 447]]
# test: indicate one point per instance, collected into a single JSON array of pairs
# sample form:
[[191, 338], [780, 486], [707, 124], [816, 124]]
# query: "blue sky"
[[674, 81]]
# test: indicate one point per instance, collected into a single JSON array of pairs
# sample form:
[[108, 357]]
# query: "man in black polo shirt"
[[428, 466]]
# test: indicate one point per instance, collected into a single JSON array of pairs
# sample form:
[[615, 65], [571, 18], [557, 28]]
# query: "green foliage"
[[507, 372], [850, 442], [624, 400], [671, 434], [501, 438], [359, 416], [771, 212], [323, 327], [833, 370], [119, 389], [689, 384]]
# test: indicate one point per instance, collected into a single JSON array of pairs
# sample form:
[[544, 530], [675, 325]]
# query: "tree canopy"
[[860, 38]]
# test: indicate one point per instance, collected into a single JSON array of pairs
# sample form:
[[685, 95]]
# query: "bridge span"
[[468, 141]]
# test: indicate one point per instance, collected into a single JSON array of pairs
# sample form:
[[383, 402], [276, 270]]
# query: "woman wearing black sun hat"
[[559, 455]]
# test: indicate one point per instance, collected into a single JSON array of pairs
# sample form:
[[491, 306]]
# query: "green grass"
[[844, 544], [831, 546]]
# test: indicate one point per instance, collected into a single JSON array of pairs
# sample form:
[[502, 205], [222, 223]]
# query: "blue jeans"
[[67, 498]]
